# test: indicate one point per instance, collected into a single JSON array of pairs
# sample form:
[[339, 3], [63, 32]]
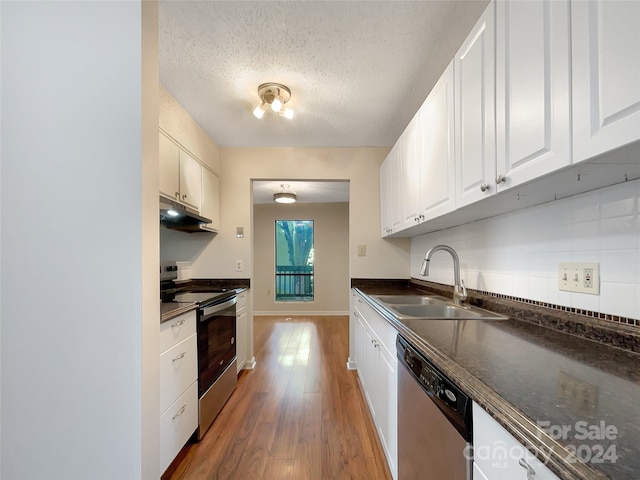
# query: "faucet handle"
[[460, 293]]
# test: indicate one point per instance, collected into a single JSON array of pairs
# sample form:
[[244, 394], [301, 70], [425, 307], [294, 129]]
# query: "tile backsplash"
[[517, 254]]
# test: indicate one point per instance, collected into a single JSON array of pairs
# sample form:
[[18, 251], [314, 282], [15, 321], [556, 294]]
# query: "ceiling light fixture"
[[273, 95], [285, 196]]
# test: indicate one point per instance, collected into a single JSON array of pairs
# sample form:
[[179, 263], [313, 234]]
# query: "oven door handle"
[[217, 308]]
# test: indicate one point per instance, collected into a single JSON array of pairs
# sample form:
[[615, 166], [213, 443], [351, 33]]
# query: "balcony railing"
[[294, 283]]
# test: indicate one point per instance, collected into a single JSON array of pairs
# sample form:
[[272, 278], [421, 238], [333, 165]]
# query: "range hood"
[[175, 216]]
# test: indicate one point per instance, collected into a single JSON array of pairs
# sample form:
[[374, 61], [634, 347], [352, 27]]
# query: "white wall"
[[331, 255], [74, 304], [518, 253]]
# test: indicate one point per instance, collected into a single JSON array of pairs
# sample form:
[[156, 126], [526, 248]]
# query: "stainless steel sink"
[[409, 299], [444, 311], [432, 307]]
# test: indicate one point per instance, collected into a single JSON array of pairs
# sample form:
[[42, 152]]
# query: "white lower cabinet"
[[177, 424], [499, 456], [242, 330], [377, 369], [178, 385]]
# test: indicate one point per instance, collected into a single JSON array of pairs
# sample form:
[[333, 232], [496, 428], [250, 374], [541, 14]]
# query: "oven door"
[[216, 341]]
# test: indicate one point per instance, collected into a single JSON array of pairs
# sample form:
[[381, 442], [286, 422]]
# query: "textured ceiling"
[[306, 192], [358, 70]]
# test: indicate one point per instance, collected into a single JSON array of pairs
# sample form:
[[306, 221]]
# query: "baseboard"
[[351, 364]]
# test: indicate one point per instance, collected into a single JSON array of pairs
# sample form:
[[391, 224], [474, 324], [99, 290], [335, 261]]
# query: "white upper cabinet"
[[190, 180], [436, 149], [475, 152], [410, 169], [606, 76], [180, 174], [211, 198], [533, 130], [169, 154], [385, 196], [390, 203]]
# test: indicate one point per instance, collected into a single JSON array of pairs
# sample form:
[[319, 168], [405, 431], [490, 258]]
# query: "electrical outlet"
[[581, 277], [362, 250], [238, 265]]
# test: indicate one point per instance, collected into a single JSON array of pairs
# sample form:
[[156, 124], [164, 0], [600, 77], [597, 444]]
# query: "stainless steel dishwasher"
[[434, 421]]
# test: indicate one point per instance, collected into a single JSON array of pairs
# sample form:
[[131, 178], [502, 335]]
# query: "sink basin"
[[441, 311], [432, 307], [410, 299]]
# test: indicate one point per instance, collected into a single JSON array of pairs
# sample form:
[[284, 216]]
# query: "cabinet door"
[[211, 198], [409, 180], [475, 112], [437, 151], [190, 180], [387, 405], [532, 90], [241, 338], [169, 154], [605, 43], [385, 196], [395, 200], [390, 207]]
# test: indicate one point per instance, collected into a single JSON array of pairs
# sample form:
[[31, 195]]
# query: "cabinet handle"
[[484, 187], [180, 412], [178, 195], [530, 471], [501, 179], [179, 357], [178, 324], [421, 217], [184, 196]]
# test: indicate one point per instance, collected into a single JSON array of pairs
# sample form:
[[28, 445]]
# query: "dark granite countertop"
[[528, 376], [169, 310]]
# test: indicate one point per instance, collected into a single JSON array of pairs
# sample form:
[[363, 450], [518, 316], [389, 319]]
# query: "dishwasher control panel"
[[454, 403]]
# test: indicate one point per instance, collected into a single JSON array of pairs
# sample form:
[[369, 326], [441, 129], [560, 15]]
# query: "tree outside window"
[[294, 260]]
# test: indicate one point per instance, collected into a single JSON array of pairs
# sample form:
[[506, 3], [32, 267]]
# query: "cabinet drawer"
[[497, 453], [177, 424], [178, 370], [177, 329]]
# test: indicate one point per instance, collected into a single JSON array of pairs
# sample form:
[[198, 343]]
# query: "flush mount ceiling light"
[[285, 196], [274, 96]]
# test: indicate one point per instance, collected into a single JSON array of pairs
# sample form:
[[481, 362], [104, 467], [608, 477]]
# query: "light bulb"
[[259, 110], [172, 213], [276, 105], [288, 113]]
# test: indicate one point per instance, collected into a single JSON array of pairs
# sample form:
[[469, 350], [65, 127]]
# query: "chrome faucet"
[[459, 290]]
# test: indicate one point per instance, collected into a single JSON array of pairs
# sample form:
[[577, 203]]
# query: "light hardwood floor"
[[299, 415]]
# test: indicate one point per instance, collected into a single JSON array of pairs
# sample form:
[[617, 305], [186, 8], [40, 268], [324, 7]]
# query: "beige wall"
[[331, 254], [360, 166]]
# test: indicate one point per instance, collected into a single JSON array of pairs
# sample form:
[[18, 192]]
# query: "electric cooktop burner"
[[202, 298]]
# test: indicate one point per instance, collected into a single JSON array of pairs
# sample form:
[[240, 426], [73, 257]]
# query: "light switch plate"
[[581, 277]]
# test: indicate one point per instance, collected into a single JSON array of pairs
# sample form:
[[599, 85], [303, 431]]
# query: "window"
[[294, 260]]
